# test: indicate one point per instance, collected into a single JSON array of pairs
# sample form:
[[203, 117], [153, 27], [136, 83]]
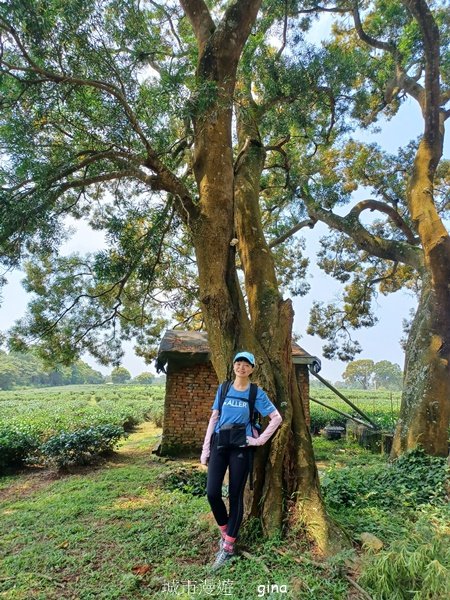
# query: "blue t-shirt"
[[236, 409]]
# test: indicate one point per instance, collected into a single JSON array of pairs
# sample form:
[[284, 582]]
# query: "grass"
[[118, 531], [114, 531]]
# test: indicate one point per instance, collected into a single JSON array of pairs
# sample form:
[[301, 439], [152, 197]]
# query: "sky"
[[381, 342]]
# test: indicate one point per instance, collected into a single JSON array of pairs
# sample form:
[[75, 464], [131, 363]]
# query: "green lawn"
[[115, 531], [126, 528], [118, 531]]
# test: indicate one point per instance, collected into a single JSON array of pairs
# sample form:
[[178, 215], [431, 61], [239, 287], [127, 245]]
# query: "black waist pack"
[[232, 436]]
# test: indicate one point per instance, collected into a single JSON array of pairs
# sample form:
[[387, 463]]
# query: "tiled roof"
[[178, 344]]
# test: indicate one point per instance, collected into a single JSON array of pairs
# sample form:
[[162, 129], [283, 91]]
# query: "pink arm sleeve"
[[275, 422], [207, 441]]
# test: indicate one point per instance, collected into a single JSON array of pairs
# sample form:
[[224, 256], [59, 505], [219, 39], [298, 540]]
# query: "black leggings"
[[237, 460]]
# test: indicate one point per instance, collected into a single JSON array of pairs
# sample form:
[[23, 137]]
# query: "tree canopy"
[[366, 373], [120, 375]]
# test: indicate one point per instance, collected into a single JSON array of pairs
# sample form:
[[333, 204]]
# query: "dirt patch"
[[28, 483]]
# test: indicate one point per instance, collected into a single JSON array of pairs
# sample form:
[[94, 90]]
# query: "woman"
[[233, 414]]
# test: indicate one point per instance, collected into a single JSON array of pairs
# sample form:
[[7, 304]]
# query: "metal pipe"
[[346, 400], [342, 413]]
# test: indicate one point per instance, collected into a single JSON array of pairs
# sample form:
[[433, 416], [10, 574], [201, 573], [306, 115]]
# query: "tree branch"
[[200, 18], [369, 39], [169, 18], [237, 23], [290, 232], [350, 225], [67, 79], [165, 179], [153, 161], [285, 25], [430, 35], [390, 211]]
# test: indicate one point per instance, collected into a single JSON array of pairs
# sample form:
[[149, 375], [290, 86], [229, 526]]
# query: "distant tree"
[[341, 384], [388, 375], [56, 377], [120, 375], [8, 375], [81, 372], [359, 373], [28, 369], [144, 378]]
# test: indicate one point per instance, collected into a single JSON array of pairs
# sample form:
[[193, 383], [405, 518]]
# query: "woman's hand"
[[275, 422], [251, 441]]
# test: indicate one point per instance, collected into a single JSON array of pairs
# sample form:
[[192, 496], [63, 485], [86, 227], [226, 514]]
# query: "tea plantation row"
[[71, 426]]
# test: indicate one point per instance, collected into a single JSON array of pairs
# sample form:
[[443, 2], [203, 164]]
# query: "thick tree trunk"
[[285, 470], [222, 304], [228, 198], [425, 408]]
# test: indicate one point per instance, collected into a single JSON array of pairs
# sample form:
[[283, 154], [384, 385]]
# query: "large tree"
[[122, 113], [359, 373], [406, 49]]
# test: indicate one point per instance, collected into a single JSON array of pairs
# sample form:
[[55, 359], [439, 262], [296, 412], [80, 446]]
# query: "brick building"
[[191, 385]]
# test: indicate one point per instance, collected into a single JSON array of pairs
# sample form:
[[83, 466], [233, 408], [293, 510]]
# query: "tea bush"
[[30, 418], [78, 447], [380, 406], [15, 446]]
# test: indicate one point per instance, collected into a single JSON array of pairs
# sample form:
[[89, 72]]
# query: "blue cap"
[[248, 356]]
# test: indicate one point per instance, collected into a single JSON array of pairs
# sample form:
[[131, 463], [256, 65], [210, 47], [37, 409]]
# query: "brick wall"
[[190, 392]]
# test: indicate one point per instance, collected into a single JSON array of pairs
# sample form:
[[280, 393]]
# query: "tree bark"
[[285, 470], [229, 198], [425, 407], [212, 230]]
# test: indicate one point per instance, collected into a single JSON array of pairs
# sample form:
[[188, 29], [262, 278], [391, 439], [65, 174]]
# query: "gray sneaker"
[[221, 558]]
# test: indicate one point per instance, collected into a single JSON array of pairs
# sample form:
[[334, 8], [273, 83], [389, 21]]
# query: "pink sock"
[[223, 530], [228, 544]]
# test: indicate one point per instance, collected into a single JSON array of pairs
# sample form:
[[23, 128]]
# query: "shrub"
[[347, 486], [187, 480], [78, 447], [412, 480], [415, 478], [15, 446], [156, 412]]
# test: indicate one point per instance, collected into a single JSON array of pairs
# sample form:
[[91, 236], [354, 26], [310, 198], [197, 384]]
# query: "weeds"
[[415, 567]]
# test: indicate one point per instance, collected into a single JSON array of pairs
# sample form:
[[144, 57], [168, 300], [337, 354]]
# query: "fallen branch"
[[362, 591]]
